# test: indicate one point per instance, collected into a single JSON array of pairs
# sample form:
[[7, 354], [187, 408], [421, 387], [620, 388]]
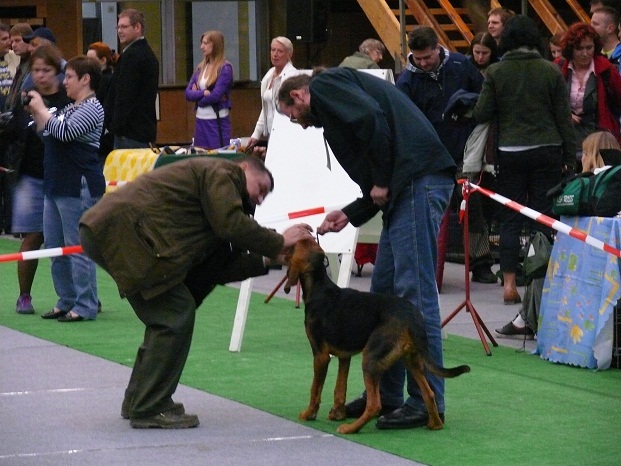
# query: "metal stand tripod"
[[478, 322]]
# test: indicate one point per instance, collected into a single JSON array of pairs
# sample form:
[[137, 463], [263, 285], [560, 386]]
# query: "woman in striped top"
[[73, 181]]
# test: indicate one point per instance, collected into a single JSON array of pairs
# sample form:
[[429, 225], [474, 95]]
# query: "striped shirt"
[[82, 122], [71, 141]]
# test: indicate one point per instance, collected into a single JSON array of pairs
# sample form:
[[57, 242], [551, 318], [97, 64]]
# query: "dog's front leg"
[[337, 413], [320, 365]]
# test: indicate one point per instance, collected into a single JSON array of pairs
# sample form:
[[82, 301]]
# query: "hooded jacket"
[[431, 92]]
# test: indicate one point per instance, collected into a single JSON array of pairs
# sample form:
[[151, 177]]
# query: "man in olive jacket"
[[167, 239]]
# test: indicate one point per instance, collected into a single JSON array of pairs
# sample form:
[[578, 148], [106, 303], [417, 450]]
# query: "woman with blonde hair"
[[281, 53], [591, 147], [210, 88]]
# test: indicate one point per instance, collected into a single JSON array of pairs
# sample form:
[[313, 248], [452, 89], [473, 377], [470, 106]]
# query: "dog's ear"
[[293, 273], [292, 279]]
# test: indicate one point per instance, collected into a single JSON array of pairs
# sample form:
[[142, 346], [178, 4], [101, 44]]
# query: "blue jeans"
[[406, 266], [74, 275]]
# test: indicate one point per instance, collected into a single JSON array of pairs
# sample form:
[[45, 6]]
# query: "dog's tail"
[[446, 372]]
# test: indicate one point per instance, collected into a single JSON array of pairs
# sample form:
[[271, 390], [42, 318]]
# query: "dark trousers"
[[525, 177], [169, 325]]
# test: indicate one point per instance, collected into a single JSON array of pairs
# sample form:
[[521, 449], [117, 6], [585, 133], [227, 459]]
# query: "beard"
[[306, 117]]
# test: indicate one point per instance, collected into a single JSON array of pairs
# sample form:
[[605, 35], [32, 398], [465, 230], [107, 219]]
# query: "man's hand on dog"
[[334, 222], [295, 233]]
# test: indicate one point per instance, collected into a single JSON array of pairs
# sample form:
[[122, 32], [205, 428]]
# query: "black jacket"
[[376, 133], [131, 99]]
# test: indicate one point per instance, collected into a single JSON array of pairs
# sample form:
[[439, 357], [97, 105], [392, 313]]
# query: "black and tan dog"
[[343, 322]]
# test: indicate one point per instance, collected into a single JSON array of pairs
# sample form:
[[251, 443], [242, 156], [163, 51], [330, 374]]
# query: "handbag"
[[537, 257]]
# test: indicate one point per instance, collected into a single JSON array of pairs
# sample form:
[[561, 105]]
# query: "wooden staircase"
[[452, 21]]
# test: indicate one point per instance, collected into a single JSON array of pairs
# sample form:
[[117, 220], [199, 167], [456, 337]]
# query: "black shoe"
[[68, 317], [53, 314], [166, 420], [404, 417], [356, 408], [517, 333], [483, 274], [177, 408]]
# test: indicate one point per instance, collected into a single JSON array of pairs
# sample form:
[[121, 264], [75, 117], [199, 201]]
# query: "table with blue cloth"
[[581, 289]]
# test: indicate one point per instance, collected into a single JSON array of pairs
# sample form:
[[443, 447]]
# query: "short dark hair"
[[5, 28], [292, 84], [50, 55], [256, 164], [423, 37], [611, 13], [610, 3], [21, 29], [85, 65], [135, 17], [520, 31], [504, 13]]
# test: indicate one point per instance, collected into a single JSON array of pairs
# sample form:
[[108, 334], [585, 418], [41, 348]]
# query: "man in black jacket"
[[388, 147], [133, 90]]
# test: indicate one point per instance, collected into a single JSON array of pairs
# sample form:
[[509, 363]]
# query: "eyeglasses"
[[123, 26]]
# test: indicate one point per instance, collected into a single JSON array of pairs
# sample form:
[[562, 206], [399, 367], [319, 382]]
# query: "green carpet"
[[512, 409]]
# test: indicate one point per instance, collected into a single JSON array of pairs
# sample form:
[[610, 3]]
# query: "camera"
[[26, 100]]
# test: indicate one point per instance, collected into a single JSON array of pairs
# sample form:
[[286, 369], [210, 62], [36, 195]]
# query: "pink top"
[[576, 93]]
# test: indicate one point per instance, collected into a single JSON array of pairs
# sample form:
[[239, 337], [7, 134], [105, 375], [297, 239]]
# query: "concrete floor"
[[61, 407]]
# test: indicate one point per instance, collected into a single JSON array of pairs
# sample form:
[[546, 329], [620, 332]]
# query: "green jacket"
[[529, 97], [359, 61], [155, 229]]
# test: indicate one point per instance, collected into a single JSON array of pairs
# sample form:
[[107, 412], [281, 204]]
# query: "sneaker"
[[24, 304], [166, 420], [517, 333]]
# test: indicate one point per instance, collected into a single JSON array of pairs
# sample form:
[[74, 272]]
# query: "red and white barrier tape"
[[537, 216], [299, 214], [116, 183], [548, 221], [53, 252]]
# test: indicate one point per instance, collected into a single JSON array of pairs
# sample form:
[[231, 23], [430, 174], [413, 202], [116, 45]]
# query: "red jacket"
[[605, 72]]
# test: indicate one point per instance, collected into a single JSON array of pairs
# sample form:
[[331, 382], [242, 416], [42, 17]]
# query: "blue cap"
[[42, 32]]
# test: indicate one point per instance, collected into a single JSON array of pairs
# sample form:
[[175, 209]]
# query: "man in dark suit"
[[135, 80]]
